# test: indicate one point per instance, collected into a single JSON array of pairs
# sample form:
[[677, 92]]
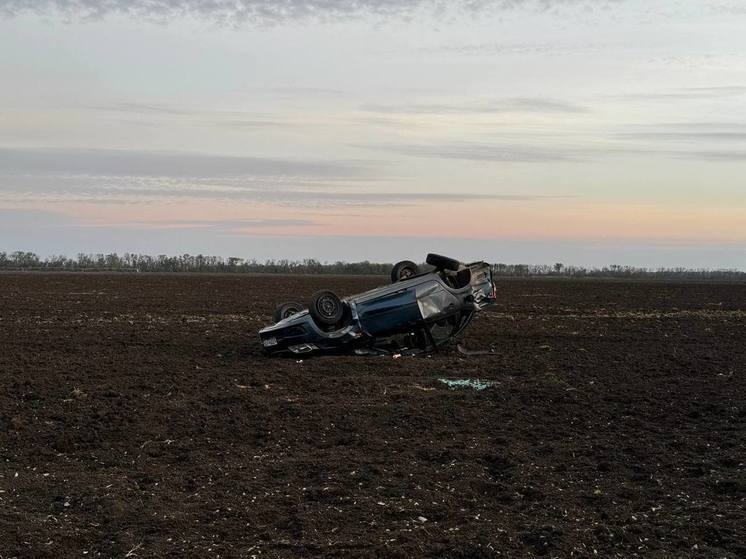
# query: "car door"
[[390, 312]]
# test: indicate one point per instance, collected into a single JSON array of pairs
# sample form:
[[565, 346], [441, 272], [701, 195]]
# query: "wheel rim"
[[327, 306], [289, 312], [406, 273]]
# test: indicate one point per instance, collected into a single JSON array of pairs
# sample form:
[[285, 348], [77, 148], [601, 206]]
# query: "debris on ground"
[[423, 388], [476, 384], [463, 350]]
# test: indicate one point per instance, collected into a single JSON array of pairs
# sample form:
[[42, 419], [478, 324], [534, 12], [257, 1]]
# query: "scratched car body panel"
[[417, 312]]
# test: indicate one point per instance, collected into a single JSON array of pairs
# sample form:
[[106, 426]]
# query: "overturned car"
[[419, 311]]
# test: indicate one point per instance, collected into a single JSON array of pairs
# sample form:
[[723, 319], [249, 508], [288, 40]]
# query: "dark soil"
[[138, 418]]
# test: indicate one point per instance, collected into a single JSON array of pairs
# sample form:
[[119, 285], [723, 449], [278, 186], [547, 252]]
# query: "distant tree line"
[[128, 262], [612, 271]]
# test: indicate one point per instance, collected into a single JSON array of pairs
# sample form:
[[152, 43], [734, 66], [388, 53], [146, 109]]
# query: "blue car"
[[418, 311]]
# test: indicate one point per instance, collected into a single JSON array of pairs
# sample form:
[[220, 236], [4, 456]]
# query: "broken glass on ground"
[[476, 384]]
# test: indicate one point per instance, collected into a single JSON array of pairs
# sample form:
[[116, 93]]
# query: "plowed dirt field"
[[139, 418]]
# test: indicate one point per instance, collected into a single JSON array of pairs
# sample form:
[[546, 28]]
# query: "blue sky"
[[525, 131]]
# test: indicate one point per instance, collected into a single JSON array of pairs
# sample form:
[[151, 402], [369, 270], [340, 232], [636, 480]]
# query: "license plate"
[[269, 342]]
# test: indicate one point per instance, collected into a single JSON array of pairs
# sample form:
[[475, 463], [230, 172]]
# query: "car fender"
[[436, 301]]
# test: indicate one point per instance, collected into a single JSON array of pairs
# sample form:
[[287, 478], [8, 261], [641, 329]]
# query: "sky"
[[522, 131]]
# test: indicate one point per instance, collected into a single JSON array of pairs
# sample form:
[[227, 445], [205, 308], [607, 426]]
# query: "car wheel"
[[443, 262], [327, 309], [403, 270], [286, 310]]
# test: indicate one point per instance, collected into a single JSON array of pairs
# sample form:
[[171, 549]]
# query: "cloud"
[[135, 190], [25, 218], [221, 226], [168, 164], [703, 140], [222, 11], [489, 49], [143, 108], [253, 124], [692, 135], [707, 139], [157, 115], [478, 152], [94, 192], [295, 92], [262, 12], [714, 155], [684, 93], [513, 105], [729, 7], [114, 177], [703, 125]]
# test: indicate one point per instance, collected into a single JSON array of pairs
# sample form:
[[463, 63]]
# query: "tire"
[[327, 309], [443, 262], [287, 309], [403, 270]]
